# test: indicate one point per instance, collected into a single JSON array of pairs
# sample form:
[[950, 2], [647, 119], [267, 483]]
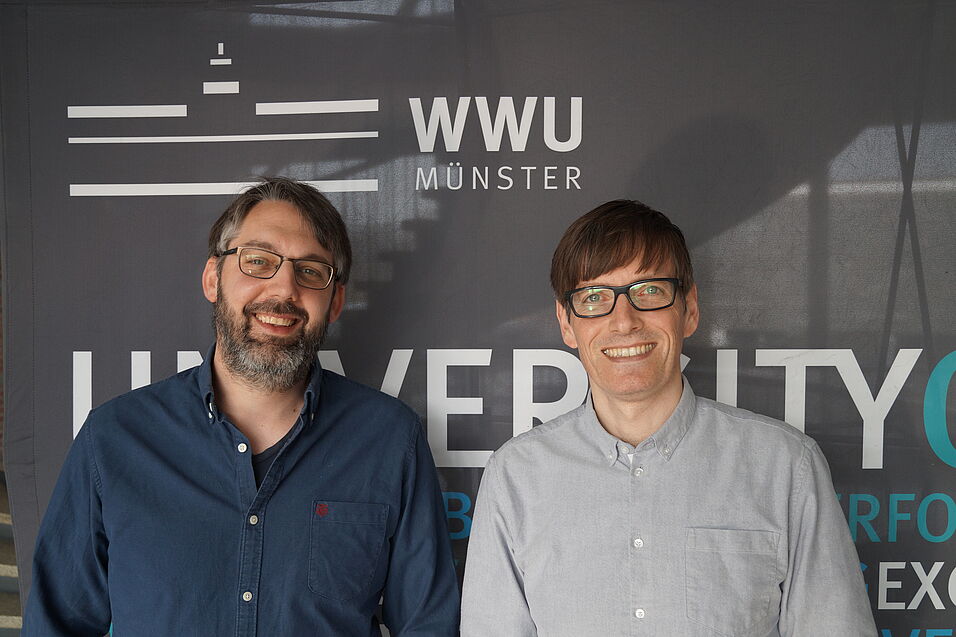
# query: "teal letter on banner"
[[458, 514], [857, 519], [896, 515], [923, 513], [934, 409]]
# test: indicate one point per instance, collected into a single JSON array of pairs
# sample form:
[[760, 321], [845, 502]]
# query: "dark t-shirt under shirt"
[[263, 460]]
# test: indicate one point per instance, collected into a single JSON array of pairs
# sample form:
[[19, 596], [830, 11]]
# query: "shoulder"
[[167, 412], [339, 390], [751, 429], [339, 394], [166, 397], [755, 423], [543, 441]]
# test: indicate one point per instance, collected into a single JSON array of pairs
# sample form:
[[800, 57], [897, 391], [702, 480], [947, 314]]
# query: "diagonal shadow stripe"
[[907, 221]]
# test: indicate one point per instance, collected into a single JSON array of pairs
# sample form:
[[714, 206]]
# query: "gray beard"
[[272, 365]]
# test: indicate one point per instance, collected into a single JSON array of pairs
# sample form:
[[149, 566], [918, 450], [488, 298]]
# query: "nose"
[[283, 283], [624, 318]]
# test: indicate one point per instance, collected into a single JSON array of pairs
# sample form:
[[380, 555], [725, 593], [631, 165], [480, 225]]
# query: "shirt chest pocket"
[[345, 544], [731, 580]]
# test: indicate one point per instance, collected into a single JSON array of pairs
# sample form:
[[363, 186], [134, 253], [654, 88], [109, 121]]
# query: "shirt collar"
[[672, 432], [606, 443], [665, 440], [204, 379]]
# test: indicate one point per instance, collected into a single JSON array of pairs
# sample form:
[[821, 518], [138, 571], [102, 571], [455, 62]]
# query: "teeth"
[[621, 352], [275, 320]]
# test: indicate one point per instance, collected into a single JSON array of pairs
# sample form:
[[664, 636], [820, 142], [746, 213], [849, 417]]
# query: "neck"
[[636, 420], [264, 417]]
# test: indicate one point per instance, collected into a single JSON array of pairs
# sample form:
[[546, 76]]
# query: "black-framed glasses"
[[645, 295], [263, 264]]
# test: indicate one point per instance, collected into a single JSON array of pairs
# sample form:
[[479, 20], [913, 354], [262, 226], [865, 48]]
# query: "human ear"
[[691, 312], [338, 302], [564, 322], [210, 279]]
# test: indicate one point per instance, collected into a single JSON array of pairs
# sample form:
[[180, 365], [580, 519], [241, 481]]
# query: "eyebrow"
[[254, 243]]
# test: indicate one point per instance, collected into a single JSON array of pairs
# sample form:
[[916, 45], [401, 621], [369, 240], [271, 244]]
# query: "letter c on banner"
[[934, 409]]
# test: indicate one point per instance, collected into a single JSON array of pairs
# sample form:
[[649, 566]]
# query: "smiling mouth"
[[625, 352], [276, 320]]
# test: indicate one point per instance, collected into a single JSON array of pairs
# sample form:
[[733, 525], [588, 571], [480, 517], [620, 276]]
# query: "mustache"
[[275, 307]]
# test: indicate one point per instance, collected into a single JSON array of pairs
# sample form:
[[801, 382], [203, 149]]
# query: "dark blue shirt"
[[156, 525]]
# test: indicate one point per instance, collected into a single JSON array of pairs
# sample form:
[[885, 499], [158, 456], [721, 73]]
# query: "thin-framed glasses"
[[645, 295], [260, 263]]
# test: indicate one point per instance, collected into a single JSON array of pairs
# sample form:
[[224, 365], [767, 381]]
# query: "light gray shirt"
[[724, 522]]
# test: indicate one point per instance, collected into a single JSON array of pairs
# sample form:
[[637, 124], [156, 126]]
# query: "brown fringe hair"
[[611, 236]]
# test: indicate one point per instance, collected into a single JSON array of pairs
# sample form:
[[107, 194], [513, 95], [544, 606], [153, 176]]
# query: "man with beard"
[[256, 494]]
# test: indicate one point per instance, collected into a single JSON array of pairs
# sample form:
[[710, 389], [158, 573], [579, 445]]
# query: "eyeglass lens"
[[263, 264], [644, 295]]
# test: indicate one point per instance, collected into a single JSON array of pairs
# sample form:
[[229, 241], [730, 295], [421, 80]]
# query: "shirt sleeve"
[[493, 597], [823, 593], [69, 595], [421, 597]]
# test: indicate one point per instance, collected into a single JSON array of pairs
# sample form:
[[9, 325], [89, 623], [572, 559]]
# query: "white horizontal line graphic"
[[179, 139], [132, 110], [327, 106], [220, 61], [208, 188], [220, 88]]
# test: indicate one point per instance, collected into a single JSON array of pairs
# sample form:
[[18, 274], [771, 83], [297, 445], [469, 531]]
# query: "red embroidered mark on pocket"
[[322, 509]]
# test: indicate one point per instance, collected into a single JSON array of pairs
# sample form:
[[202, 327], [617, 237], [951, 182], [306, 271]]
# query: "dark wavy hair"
[[318, 212]]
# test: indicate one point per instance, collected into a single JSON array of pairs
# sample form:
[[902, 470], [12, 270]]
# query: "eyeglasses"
[[263, 264], [644, 295]]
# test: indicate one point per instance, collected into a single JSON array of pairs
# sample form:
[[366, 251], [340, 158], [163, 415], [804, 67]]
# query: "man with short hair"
[[256, 494], [649, 510]]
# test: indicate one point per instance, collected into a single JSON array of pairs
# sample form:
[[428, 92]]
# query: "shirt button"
[[638, 471], [242, 447], [639, 613], [638, 543], [253, 520], [667, 451], [247, 597]]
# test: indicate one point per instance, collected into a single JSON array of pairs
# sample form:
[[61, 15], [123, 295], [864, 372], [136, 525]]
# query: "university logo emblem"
[[153, 115]]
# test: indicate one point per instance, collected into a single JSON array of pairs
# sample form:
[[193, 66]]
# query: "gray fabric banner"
[[807, 149]]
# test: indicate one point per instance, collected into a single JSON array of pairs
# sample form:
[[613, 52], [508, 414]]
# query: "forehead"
[[637, 268], [280, 226]]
